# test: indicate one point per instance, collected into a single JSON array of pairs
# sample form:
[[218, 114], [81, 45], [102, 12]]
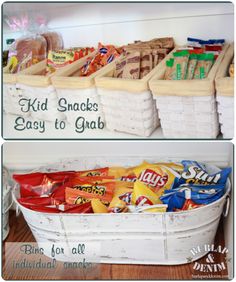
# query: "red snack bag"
[[35, 201], [38, 184], [44, 209]]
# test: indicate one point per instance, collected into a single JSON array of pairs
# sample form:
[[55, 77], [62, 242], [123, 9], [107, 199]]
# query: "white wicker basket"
[[34, 85], [128, 104], [183, 104], [78, 90], [11, 94], [225, 95], [128, 238]]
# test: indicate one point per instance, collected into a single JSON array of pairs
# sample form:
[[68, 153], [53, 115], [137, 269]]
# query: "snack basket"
[[36, 85], [78, 90], [11, 94], [225, 95], [128, 238], [127, 104], [187, 108]]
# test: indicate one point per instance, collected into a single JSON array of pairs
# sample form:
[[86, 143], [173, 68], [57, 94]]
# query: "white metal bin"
[[126, 238]]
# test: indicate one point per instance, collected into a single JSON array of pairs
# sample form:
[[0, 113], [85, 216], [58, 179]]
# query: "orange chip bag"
[[94, 172], [87, 191], [142, 195]]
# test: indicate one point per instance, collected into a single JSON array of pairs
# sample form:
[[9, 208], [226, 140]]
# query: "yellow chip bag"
[[159, 176], [124, 194], [153, 208], [98, 206], [117, 206], [142, 195]]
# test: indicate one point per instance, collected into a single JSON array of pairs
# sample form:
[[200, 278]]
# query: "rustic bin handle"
[[226, 207]]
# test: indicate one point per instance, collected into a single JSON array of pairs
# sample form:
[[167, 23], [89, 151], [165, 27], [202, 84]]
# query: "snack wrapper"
[[195, 173], [158, 177], [98, 206], [85, 192], [142, 195], [117, 206], [199, 194]]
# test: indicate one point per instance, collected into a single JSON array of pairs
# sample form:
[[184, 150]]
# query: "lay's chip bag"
[[195, 173], [143, 195], [158, 176]]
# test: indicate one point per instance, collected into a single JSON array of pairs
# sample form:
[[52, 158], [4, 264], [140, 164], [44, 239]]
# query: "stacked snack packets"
[[231, 69], [148, 187], [61, 58], [195, 61], [105, 55], [140, 58]]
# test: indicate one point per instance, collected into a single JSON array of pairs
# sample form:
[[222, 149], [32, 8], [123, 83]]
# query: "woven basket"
[[127, 104], [11, 94], [78, 90], [183, 103], [35, 85], [225, 95]]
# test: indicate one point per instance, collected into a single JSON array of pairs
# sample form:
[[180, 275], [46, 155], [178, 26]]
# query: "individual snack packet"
[[157, 176], [131, 69], [199, 194], [189, 205], [39, 184], [195, 173], [98, 206], [169, 70], [142, 195], [146, 64], [180, 65], [204, 64], [103, 172], [117, 206], [192, 63], [86, 192], [120, 68], [124, 194], [83, 208]]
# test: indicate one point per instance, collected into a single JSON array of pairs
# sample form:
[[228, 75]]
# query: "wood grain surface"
[[20, 232]]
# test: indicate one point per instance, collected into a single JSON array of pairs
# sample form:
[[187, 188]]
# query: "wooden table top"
[[20, 232]]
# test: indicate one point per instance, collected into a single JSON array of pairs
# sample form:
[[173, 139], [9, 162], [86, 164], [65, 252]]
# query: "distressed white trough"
[[153, 238]]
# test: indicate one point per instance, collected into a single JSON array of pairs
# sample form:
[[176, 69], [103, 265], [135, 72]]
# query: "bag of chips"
[[98, 206], [117, 206], [199, 194], [142, 195], [204, 64], [195, 173]]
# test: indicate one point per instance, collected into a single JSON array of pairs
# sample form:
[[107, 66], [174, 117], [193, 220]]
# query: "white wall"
[[30, 155], [85, 24]]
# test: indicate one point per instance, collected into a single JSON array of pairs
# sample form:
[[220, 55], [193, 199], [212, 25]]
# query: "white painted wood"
[[155, 238]]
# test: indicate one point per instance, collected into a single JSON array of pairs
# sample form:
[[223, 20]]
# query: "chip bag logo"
[[153, 179], [142, 200], [196, 175], [95, 189], [129, 178]]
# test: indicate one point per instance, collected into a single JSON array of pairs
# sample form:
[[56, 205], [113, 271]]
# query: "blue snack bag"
[[195, 173], [199, 194]]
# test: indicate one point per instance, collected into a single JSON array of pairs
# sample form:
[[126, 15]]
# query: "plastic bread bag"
[[198, 194], [27, 50], [195, 173]]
